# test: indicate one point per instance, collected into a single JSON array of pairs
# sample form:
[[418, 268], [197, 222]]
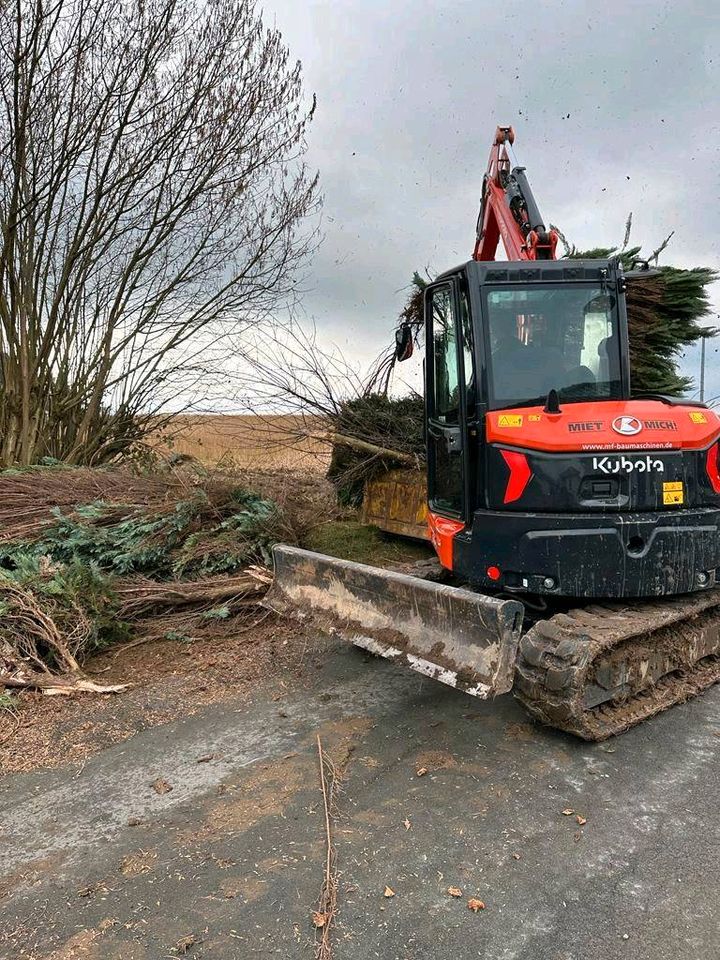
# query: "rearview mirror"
[[603, 303], [403, 342]]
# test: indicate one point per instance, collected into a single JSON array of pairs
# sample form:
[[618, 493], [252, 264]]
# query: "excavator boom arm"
[[508, 210]]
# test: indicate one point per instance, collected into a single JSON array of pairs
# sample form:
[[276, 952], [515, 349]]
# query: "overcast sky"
[[615, 108]]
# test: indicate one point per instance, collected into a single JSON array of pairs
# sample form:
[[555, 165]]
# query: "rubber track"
[[559, 658]]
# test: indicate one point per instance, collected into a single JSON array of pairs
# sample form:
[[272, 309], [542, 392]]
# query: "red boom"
[[508, 211]]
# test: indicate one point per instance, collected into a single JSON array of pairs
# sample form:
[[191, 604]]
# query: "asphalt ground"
[[102, 860]]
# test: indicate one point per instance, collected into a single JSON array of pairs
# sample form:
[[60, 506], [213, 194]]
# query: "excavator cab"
[[538, 477], [509, 336]]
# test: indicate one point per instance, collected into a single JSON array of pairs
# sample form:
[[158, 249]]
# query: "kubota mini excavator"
[[545, 480]]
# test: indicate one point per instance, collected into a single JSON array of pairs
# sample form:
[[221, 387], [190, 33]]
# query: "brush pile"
[[30, 499], [391, 432], [87, 555]]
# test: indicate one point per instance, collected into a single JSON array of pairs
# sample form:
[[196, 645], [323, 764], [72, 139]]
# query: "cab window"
[[446, 377]]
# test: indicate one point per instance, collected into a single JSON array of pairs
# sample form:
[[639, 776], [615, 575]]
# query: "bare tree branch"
[[153, 197]]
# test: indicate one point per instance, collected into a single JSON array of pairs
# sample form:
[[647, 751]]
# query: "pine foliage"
[[194, 539], [64, 593], [54, 615], [398, 424]]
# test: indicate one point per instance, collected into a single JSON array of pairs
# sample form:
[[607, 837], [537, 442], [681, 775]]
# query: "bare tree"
[[153, 197], [285, 368], [356, 428]]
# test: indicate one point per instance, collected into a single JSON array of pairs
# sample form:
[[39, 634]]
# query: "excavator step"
[[453, 635], [599, 670]]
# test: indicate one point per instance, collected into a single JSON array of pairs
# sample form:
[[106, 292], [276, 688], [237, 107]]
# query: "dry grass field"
[[263, 442]]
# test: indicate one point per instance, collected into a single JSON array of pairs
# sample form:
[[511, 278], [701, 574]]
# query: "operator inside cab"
[[520, 368], [544, 340]]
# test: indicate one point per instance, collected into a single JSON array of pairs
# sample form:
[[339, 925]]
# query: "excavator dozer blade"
[[456, 636]]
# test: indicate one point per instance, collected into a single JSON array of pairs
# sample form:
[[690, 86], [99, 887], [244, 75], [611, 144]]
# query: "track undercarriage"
[[595, 671]]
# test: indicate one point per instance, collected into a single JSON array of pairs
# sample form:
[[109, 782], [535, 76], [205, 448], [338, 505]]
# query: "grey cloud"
[[409, 95]]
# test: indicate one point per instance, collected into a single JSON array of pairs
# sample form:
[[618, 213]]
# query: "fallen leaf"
[[421, 772], [454, 891], [388, 892], [567, 812], [406, 823], [161, 786], [581, 820], [475, 905], [184, 943], [319, 919], [577, 837]]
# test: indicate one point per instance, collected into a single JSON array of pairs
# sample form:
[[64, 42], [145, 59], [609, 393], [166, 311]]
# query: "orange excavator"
[[549, 488]]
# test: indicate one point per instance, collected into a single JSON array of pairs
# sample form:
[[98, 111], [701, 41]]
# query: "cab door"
[[448, 356]]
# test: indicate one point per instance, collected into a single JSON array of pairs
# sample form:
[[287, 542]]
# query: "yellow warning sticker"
[[535, 417], [510, 420], [698, 417], [673, 492]]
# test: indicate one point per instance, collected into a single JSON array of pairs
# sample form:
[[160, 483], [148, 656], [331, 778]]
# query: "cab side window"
[[467, 349], [446, 378]]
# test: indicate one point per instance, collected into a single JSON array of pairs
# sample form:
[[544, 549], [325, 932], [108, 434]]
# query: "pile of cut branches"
[[391, 434], [30, 497], [51, 617], [84, 575]]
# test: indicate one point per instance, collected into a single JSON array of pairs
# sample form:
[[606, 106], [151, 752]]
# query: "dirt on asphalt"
[[167, 679], [578, 851]]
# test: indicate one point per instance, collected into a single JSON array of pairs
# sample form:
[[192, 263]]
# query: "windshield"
[[551, 337]]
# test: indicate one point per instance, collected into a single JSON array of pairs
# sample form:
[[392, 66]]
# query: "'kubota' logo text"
[[628, 465]]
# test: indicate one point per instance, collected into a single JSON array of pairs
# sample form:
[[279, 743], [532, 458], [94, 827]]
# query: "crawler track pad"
[[596, 671]]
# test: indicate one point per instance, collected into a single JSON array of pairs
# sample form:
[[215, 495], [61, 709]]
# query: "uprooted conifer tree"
[[666, 310]]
